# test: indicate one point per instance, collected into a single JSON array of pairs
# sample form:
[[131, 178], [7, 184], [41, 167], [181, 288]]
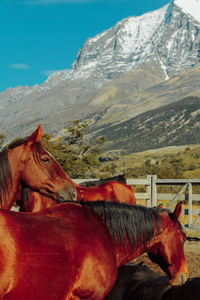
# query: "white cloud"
[[19, 66]]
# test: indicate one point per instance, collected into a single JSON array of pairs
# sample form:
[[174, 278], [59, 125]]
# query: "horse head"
[[28, 164], [167, 247]]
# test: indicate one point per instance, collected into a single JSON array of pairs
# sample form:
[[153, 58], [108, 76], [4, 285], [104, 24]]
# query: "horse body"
[[72, 251], [189, 291], [25, 162], [138, 282], [109, 191], [48, 260]]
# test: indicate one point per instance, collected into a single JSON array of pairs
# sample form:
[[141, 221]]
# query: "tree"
[[78, 156]]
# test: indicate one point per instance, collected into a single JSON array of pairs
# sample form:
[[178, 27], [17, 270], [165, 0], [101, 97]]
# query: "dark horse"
[[73, 250], [138, 282], [25, 162]]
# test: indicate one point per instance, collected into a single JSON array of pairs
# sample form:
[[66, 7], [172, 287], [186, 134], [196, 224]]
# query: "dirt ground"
[[192, 254]]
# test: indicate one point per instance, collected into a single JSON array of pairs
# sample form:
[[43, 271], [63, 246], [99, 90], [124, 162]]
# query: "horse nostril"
[[61, 199], [73, 195]]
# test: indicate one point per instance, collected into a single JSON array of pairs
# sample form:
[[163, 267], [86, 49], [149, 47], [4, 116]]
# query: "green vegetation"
[[81, 158], [169, 162], [76, 155]]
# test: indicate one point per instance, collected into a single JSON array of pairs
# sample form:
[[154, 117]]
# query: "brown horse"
[[111, 191], [72, 251], [25, 162]]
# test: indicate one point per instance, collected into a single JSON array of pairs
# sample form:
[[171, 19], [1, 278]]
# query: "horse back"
[[111, 191], [122, 192]]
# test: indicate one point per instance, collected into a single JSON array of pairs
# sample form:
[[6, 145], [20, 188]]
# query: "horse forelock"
[[137, 223]]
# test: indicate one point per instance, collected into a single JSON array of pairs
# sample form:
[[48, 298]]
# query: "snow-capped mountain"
[[156, 46], [168, 37]]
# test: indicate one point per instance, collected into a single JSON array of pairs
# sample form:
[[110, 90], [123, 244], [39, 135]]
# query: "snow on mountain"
[[191, 7], [168, 38], [54, 79], [120, 48]]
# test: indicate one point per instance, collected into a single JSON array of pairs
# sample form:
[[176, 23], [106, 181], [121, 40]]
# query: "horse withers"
[[73, 250]]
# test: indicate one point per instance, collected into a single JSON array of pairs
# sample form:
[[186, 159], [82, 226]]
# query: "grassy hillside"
[[171, 125], [169, 162]]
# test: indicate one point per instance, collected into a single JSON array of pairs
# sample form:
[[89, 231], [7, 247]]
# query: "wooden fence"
[[151, 196]]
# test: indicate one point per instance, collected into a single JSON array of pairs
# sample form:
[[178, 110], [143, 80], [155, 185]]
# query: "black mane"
[[119, 178], [136, 222]]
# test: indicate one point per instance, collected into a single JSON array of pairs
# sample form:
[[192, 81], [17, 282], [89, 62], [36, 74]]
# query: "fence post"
[[153, 190], [189, 204], [148, 191]]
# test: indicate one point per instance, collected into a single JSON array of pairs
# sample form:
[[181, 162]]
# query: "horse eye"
[[45, 159]]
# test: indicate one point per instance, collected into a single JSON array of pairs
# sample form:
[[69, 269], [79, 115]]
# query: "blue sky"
[[38, 37]]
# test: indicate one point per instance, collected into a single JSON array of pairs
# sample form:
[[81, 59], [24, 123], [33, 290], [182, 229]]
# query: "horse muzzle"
[[180, 279], [67, 195]]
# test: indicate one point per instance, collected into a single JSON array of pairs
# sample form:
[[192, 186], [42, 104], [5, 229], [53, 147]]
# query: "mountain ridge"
[[138, 64]]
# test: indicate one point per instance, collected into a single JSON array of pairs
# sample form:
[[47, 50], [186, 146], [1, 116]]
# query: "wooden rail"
[[151, 196]]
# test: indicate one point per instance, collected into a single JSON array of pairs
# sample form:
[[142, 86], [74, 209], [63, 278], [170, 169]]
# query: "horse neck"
[[32, 201], [39, 201], [80, 191], [14, 189], [126, 253]]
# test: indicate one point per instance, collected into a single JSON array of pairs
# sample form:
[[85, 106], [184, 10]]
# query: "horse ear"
[[177, 212], [160, 206], [36, 136]]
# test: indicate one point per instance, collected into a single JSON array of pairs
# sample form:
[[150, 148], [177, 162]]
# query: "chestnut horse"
[[72, 251], [111, 191], [25, 162], [32, 201]]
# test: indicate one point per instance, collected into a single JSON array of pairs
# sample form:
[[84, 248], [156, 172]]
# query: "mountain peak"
[[191, 7]]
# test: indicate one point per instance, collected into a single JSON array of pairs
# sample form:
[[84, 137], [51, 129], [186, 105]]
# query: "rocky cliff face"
[[168, 38]]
